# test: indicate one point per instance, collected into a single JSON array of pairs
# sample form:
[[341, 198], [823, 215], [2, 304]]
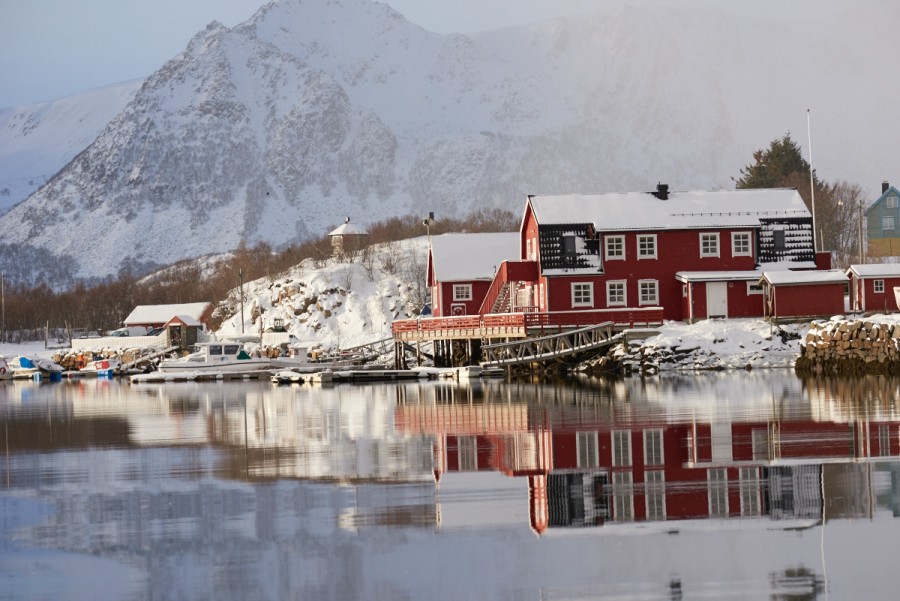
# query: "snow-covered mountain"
[[312, 110]]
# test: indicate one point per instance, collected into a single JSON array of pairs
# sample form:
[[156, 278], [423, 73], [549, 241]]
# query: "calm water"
[[740, 486]]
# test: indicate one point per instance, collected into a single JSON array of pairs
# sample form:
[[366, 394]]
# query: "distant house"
[[872, 286], [349, 237], [461, 268], [157, 316], [883, 223], [803, 294]]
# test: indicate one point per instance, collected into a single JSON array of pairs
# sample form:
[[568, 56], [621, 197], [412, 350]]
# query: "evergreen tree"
[[780, 166]]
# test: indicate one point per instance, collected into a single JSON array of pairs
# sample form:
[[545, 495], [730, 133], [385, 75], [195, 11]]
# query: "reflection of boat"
[[215, 356]]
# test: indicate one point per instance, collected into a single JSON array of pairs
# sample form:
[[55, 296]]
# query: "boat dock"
[[282, 376]]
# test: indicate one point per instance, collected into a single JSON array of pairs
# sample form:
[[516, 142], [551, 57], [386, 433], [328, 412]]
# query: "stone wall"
[[844, 347]]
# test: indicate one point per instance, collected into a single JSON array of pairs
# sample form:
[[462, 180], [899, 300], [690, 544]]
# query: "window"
[[778, 239], [717, 490], [646, 246], [887, 223], [740, 244], [653, 447], [468, 453], [582, 294], [878, 286], [750, 490], [709, 245], [649, 290], [462, 292], [615, 247], [621, 451], [615, 293], [754, 288], [623, 497], [655, 494], [568, 246], [586, 445], [528, 249], [760, 444], [892, 202], [884, 440]]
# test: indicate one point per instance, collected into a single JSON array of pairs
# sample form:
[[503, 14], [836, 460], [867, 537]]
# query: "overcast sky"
[[54, 48]]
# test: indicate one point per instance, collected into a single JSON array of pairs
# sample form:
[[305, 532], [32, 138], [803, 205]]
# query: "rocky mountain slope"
[[312, 110]]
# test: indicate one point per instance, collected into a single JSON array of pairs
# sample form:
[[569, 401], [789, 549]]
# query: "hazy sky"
[[54, 48]]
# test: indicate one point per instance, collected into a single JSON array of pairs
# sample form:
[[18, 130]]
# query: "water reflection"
[[684, 485]]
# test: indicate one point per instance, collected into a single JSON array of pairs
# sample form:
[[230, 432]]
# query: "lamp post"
[[241, 276]]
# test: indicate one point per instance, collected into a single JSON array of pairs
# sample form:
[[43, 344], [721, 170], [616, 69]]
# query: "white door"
[[716, 299]]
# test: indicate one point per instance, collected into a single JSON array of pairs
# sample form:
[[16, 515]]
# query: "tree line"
[[98, 307]]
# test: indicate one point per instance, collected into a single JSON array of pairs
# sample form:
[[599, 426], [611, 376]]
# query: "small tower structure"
[[349, 238]]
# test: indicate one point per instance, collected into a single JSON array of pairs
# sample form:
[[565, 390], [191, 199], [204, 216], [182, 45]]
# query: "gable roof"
[[681, 210], [890, 191], [348, 229], [874, 270], [143, 314], [457, 257], [796, 278]]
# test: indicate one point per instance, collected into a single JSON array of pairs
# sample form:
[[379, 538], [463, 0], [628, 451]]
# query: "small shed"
[[183, 331], [156, 316], [872, 286], [347, 238], [803, 294]]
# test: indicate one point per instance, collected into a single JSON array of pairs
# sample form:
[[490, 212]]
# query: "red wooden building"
[[461, 268], [795, 294], [872, 287]]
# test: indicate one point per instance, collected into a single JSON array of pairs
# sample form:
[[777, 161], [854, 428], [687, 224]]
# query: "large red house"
[[690, 255]]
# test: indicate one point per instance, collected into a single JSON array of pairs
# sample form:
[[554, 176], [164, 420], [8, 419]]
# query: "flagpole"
[[812, 187]]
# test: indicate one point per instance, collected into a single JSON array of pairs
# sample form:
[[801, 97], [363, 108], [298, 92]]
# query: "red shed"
[[872, 287], [795, 294]]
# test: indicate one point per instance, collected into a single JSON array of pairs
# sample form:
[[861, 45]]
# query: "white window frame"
[[735, 251], [717, 491], [655, 494], [617, 303], [619, 241], [750, 491], [467, 453], [754, 288], [588, 454], [892, 201], [887, 223], [580, 290], [709, 236], [653, 448], [649, 239], [462, 292], [621, 448], [648, 301], [878, 286], [623, 496]]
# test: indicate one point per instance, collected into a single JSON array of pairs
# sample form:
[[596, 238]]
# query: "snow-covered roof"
[[144, 314], [874, 270], [821, 276], [682, 210], [348, 229], [459, 257], [755, 274], [186, 320]]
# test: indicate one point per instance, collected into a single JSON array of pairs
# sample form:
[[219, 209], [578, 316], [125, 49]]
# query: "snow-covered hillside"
[[312, 110]]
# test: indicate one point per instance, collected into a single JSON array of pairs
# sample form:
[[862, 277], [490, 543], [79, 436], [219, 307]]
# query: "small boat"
[[215, 356], [5, 370], [26, 368], [102, 368]]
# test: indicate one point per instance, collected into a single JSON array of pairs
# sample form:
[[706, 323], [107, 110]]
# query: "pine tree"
[[780, 166]]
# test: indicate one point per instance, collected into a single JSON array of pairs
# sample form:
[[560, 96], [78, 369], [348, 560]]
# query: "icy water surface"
[[738, 486]]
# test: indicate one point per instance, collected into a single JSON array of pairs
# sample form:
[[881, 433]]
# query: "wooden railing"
[[500, 325], [508, 272]]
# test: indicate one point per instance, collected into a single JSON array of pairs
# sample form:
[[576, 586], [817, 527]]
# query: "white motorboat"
[[35, 368], [216, 356], [101, 367]]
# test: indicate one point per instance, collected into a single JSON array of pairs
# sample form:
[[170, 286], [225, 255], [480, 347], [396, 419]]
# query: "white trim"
[[734, 237], [754, 288], [590, 438], [876, 284], [462, 292], [655, 300], [589, 287], [655, 253], [624, 301], [718, 244], [607, 240], [654, 433]]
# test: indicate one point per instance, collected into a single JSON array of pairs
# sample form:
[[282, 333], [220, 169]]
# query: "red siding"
[[808, 300], [479, 289], [879, 301]]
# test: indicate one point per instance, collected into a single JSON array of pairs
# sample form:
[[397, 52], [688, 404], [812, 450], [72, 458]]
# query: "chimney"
[[662, 191], [884, 186]]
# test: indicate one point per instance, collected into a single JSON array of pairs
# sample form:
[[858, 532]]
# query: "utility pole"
[[241, 276], [2, 308]]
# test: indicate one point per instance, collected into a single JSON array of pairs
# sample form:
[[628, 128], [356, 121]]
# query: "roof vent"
[[662, 191]]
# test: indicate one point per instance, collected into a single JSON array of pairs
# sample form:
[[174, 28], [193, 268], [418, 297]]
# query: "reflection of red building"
[[589, 468]]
